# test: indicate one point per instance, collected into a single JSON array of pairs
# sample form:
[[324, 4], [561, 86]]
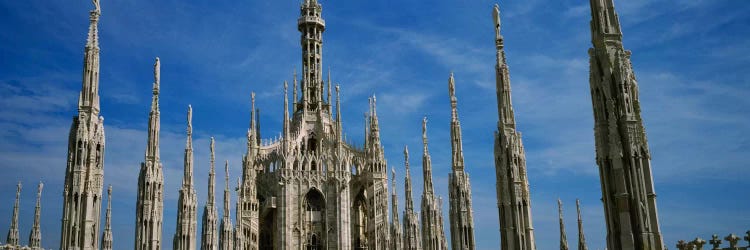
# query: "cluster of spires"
[[35, 236]]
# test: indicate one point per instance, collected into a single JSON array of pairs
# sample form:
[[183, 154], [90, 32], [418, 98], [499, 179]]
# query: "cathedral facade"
[[310, 189]]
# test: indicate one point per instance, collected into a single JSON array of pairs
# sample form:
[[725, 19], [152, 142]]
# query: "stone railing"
[[715, 242]]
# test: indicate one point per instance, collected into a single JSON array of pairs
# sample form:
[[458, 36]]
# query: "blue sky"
[[691, 59]]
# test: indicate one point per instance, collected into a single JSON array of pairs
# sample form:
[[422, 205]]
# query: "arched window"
[[313, 242]]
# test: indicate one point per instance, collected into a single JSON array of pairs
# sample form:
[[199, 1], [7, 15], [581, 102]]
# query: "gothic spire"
[[227, 195], [563, 236], [209, 234], [211, 173], [433, 236], [412, 236], [185, 232], [150, 201], [604, 20], [426, 162], [88, 100], [35, 238], [226, 235], [581, 237], [13, 231], [460, 202], [339, 126], [513, 195], [456, 140], [407, 182], [107, 234], [286, 115], [396, 233], [152, 149], [82, 192], [629, 197], [504, 103]]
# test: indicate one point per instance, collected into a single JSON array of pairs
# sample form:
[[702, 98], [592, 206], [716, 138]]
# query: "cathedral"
[[311, 189]]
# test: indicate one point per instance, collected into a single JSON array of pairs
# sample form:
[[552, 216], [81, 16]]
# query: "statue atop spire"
[[459, 187], [107, 234], [433, 235], [412, 235], [35, 238], [498, 23], [513, 198], [81, 214], [97, 8], [185, 233], [209, 234], [226, 236], [150, 202], [13, 231]]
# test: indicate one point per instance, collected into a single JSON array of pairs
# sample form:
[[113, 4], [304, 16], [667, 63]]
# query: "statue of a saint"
[[496, 15], [97, 8]]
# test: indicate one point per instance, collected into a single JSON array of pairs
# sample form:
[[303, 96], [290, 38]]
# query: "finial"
[[109, 191], [157, 76], [286, 85], [18, 189], [559, 207]]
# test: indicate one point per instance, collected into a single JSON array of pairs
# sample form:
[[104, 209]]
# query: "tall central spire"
[[311, 26]]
